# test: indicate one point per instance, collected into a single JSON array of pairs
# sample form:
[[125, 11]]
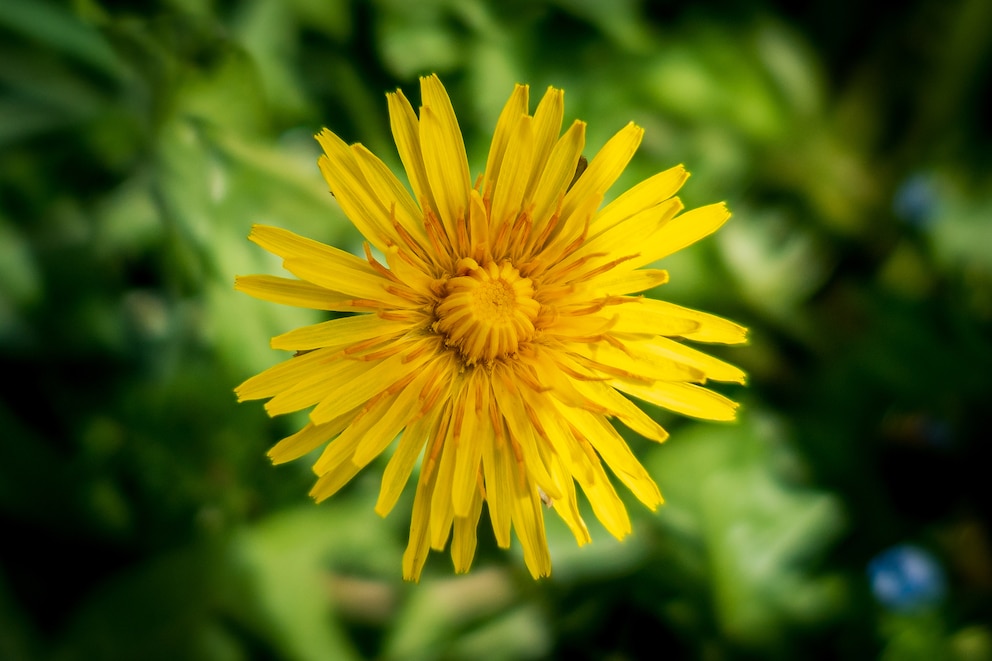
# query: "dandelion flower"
[[502, 334]]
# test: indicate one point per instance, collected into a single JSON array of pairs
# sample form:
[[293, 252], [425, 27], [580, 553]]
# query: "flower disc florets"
[[486, 311]]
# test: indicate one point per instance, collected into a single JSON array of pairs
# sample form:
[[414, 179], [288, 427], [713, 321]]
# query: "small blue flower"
[[916, 200], [906, 577]]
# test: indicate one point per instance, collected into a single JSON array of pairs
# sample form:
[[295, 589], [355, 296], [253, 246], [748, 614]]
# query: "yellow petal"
[[335, 467], [463, 538], [409, 269], [333, 480], [606, 505], [522, 433], [403, 409], [444, 153], [662, 349], [556, 175], [528, 523], [497, 465], [290, 245], [346, 393], [617, 455], [478, 226], [579, 327], [298, 293], [442, 513], [635, 361], [392, 195], [563, 462], [567, 507], [686, 229], [512, 184], [552, 416], [324, 265], [342, 449], [549, 365], [315, 386], [309, 438], [631, 282], [710, 327], [604, 169], [623, 409], [570, 230], [547, 127], [419, 544], [685, 398], [284, 375], [406, 134], [340, 333], [361, 285], [468, 450], [400, 466], [635, 239], [513, 111], [639, 317], [353, 192], [647, 194]]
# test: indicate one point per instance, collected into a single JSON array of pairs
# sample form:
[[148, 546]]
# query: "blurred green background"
[[843, 516]]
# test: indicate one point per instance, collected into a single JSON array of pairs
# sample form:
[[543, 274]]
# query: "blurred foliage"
[[139, 142]]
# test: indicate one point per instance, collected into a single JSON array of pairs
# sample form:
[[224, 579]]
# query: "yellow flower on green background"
[[501, 334]]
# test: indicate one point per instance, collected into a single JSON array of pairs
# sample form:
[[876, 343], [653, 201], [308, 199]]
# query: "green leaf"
[[60, 30]]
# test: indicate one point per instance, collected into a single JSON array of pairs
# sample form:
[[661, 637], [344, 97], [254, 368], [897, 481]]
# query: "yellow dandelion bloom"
[[501, 335]]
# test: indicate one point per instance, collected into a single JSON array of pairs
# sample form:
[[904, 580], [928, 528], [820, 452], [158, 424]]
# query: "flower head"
[[502, 333]]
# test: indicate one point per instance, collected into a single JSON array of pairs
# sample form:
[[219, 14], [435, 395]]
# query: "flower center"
[[486, 311]]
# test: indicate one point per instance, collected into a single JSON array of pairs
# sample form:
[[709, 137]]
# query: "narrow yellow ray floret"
[[501, 335]]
